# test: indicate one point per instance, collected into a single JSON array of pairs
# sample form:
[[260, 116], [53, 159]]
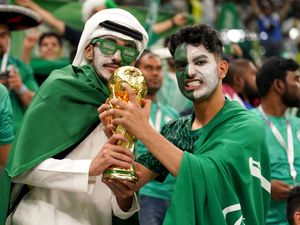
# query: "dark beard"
[[250, 92], [290, 100], [152, 91]]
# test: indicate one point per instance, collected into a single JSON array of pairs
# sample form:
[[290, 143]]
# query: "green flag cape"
[[43, 67], [62, 113], [226, 179]]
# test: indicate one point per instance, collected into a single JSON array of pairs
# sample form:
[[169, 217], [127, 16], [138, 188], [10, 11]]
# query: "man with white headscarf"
[[61, 151]]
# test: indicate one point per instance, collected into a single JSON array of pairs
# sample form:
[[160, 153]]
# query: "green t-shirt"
[[6, 125], [160, 115], [177, 132], [280, 169], [27, 78]]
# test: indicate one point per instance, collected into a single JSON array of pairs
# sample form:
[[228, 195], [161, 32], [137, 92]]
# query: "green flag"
[[61, 114], [228, 17], [226, 180]]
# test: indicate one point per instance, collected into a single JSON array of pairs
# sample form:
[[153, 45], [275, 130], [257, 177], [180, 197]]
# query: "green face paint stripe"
[[181, 59]]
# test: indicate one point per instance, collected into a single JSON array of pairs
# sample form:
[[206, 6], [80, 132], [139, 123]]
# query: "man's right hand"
[[279, 190], [111, 154]]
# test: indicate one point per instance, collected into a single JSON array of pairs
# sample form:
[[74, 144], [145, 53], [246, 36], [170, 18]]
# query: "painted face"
[[50, 48], [196, 71], [105, 65]]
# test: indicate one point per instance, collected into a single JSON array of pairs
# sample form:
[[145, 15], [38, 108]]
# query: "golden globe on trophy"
[[134, 77]]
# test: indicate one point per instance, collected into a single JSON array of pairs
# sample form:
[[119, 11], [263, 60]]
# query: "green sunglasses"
[[109, 48]]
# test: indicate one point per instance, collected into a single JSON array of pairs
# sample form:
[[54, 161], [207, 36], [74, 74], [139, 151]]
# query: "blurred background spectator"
[[241, 78], [269, 20], [49, 55], [16, 75], [6, 126]]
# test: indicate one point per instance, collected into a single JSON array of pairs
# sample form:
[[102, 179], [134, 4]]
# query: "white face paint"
[[203, 75], [100, 63]]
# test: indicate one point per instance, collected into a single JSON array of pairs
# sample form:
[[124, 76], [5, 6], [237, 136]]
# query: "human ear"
[[279, 86], [297, 218], [89, 52], [223, 68]]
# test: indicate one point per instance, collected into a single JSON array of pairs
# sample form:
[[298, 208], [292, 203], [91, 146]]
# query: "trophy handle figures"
[[135, 78]]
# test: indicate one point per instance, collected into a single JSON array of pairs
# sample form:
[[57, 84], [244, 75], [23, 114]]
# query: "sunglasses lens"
[[129, 54], [108, 47]]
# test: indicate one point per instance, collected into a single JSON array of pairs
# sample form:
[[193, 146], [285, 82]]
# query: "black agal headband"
[[122, 29]]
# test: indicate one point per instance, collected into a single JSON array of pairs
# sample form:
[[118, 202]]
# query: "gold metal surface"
[[135, 78]]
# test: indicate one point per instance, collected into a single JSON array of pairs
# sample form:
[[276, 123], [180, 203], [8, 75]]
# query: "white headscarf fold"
[[92, 30], [88, 6]]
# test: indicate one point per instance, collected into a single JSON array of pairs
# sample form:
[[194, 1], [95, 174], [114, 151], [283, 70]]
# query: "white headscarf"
[[92, 30], [88, 6]]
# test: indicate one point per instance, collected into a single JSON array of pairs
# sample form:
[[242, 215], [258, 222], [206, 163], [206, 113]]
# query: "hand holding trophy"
[[135, 78]]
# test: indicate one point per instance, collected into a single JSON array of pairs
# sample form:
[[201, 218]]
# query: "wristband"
[[22, 90]]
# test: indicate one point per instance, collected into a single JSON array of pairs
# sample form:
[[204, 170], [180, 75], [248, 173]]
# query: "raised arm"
[[28, 44], [255, 7], [47, 17], [178, 20], [284, 9]]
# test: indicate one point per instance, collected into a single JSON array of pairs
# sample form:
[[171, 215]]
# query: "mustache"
[[113, 63]]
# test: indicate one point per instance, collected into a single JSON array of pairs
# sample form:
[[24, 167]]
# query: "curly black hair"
[[201, 34], [273, 68]]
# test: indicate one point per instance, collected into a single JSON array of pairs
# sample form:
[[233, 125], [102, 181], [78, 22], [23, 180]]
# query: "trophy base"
[[120, 174]]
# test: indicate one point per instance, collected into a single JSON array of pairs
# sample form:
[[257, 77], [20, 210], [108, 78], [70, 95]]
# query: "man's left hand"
[[121, 188]]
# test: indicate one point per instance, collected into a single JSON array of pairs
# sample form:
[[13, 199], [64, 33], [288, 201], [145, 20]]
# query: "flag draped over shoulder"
[[61, 114], [226, 180]]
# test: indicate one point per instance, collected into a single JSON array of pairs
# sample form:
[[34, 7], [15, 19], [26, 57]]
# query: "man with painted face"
[[278, 83], [218, 153], [61, 151]]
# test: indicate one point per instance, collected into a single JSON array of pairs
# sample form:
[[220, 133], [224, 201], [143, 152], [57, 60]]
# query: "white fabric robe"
[[63, 193]]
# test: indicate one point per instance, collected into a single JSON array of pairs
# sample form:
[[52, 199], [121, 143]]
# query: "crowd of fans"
[[259, 37]]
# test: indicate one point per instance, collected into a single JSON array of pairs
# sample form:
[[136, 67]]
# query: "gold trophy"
[[134, 77]]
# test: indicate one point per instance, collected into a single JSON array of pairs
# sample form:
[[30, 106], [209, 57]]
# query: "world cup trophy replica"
[[134, 77]]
